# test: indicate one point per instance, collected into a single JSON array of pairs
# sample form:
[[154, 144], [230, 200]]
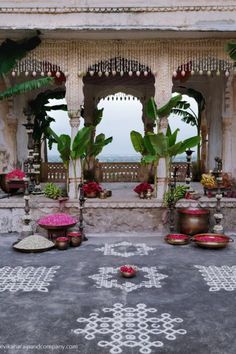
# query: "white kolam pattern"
[[219, 278], [109, 277], [26, 278], [122, 249], [130, 327]]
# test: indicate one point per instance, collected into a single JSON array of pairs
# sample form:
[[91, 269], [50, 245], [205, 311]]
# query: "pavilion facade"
[[103, 48]]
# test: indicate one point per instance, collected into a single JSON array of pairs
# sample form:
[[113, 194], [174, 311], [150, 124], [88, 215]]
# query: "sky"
[[119, 118]]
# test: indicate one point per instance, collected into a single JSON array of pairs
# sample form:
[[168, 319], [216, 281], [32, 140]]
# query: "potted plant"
[[72, 151], [92, 189], [142, 189], [12, 181], [94, 147]]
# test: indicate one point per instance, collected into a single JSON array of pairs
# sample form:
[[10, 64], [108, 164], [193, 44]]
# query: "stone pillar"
[[227, 126], [204, 145], [74, 99], [163, 93], [12, 130]]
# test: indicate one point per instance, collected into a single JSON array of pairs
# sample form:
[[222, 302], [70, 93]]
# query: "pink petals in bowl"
[[128, 271], [57, 221]]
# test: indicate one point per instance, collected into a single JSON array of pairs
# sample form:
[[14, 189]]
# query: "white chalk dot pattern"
[[130, 327], [122, 249], [219, 278], [109, 277], [26, 278]]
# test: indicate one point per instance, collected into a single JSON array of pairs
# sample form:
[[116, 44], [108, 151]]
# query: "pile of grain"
[[34, 242]]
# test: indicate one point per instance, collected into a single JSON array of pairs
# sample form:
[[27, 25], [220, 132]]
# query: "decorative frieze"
[[107, 10], [78, 56]]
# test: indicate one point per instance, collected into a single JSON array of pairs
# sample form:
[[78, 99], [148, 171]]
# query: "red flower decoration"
[[15, 174], [143, 188], [92, 187]]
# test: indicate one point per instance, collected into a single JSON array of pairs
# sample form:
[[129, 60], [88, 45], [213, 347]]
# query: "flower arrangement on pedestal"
[[143, 189], [92, 189], [15, 175]]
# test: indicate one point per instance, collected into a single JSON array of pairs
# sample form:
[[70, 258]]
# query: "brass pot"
[[62, 243], [193, 221], [75, 238]]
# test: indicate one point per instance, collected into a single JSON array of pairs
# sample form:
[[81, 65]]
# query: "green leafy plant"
[[95, 145], [184, 111], [178, 194], [10, 52], [52, 191], [72, 150], [154, 146]]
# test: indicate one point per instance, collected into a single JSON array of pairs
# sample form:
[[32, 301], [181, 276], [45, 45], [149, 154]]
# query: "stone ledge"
[[42, 202]]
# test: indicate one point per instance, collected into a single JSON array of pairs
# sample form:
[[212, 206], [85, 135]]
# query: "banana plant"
[[10, 52], [72, 150], [154, 146], [154, 113], [95, 146]]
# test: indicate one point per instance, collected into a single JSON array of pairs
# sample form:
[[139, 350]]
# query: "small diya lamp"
[[177, 239], [75, 238], [128, 271], [62, 243]]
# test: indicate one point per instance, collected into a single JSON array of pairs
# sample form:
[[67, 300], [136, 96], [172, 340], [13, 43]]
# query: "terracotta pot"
[[193, 221], [91, 195]]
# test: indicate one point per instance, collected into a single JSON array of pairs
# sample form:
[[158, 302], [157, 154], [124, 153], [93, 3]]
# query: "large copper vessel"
[[193, 221]]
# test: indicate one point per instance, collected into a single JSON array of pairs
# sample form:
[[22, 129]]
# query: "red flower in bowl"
[[15, 174], [143, 188], [128, 271], [92, 187]]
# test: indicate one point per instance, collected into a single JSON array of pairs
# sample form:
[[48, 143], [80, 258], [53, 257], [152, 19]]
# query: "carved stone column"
[[227, 126], [74, 99], [12, 130], [204, 145], [163, 93]]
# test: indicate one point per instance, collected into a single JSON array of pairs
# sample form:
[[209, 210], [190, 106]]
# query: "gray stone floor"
[[78, 303]]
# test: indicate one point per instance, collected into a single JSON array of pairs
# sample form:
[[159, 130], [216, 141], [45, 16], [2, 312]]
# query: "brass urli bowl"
[[177, 239], [128, 274], [210, 240]]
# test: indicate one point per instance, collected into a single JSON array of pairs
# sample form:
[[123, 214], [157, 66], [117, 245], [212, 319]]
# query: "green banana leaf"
[[151, 109], [159, 143], [63, 146], [81, 142], [137, 141], [26, 86], [231, 50], [96, 147], [165, 110], [12, 51], [148, 145], [188, 144], [172, 136], [97, 116], [59, 107]]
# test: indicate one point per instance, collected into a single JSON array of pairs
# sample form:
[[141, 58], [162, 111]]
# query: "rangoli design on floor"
[[109, 277], [26, 278], [219, 278], [125, 249], [130, 327]]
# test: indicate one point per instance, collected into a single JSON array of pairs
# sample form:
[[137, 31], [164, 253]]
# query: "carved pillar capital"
[[74, 93]]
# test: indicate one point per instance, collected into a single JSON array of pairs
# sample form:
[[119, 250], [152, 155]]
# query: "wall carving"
[[158, 9]]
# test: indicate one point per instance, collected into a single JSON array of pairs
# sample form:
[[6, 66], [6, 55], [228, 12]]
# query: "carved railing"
[[108, 172], [119, 171], [53, 172]]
